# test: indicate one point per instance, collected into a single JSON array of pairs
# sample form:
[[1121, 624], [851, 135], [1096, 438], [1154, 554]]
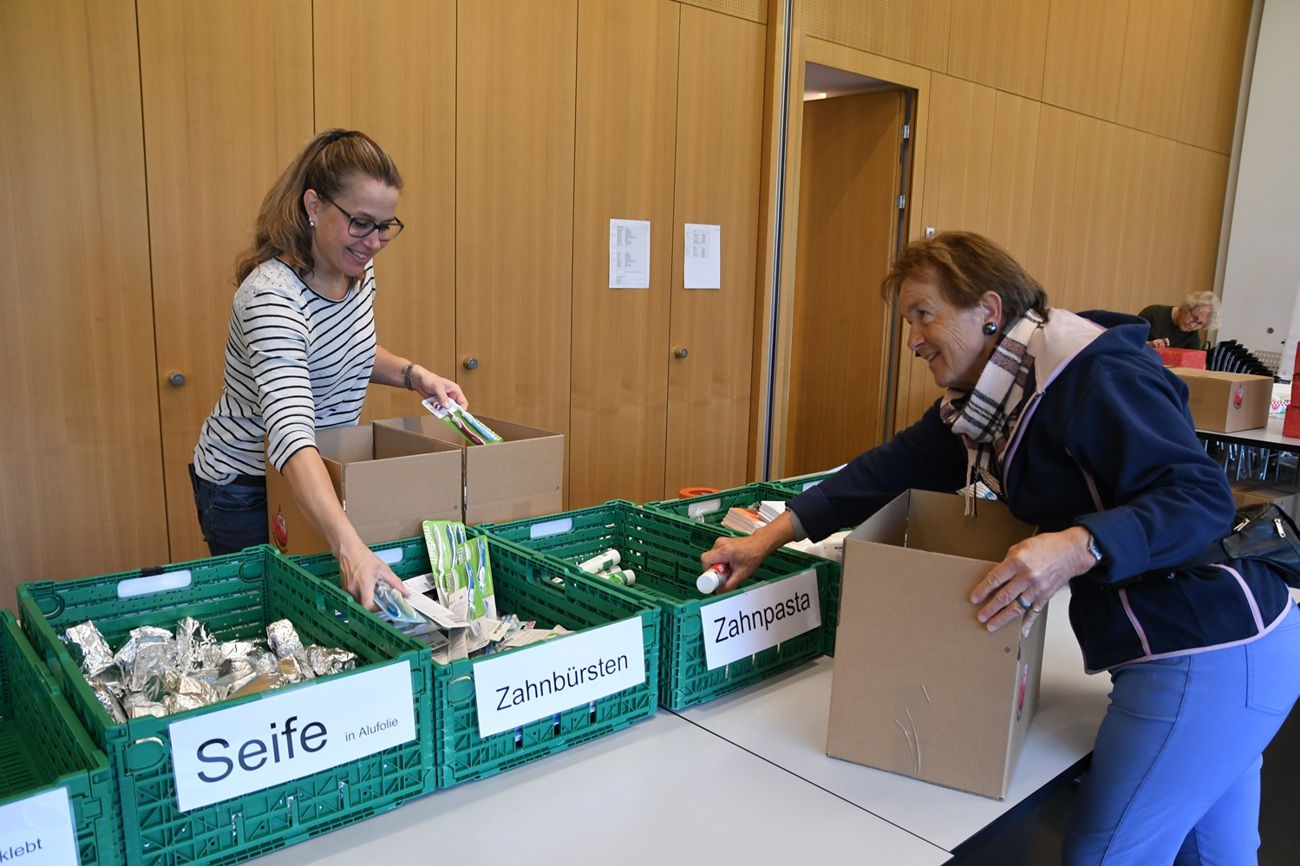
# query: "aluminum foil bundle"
[[192, 644], [325, 661], [96, 657], [283, 639]]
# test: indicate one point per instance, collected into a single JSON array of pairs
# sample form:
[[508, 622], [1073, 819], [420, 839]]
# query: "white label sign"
[[558, 674], [286, 736], [39, 830], [740, 625]]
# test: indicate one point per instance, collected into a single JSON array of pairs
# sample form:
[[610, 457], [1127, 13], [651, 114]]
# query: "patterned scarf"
[[987, 417]]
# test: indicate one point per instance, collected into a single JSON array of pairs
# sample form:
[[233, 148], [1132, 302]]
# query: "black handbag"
[[1263, 532]]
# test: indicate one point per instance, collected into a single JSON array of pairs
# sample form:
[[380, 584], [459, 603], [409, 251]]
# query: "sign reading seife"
[[763, 616], [291, 734]]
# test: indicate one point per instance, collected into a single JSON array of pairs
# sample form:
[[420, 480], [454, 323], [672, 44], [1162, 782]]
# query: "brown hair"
[[328, 163], [966, 266]]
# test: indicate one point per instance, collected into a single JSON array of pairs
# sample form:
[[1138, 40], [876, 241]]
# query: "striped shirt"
[[295, 362]]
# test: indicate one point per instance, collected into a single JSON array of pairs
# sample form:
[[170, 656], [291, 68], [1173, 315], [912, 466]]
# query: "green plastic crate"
[[43, 746], [236, 596], [711, 508], [523, 585], [801, 483], [664, 552]]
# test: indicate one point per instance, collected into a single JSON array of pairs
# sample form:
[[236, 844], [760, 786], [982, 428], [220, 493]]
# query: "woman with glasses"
[[302, 349], [1180, 327]]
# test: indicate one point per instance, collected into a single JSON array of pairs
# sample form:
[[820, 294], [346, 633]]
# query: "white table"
[[742, 779]]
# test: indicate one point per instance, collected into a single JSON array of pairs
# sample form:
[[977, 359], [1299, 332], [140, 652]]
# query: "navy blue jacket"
[[1117, 421]]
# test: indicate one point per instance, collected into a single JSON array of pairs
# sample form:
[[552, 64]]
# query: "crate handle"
[[708, 506], [151, 583], [143, 754], [391, 556], [550, 527]]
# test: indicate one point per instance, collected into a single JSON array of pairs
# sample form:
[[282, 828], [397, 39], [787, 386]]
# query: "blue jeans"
[[232, 516], [1175, 772]]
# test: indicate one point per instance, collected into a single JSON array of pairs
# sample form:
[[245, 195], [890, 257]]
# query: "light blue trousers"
[[1175, 772]]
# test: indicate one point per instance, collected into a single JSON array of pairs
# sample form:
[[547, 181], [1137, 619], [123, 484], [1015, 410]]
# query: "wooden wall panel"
[[719, 122], [516, 83], [848, 228], [405, 100], [1001, 43], [217, 134], [79, 443], [1155, 65], [626, 135], [1054, 173], [958, 155], [913, 31], [750, 10], [1085, 55], [1208, 113], [1011, 175]]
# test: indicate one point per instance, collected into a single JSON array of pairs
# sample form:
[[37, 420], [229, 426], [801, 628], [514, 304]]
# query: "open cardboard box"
[[920, 687], [388, 481], [519, 478]]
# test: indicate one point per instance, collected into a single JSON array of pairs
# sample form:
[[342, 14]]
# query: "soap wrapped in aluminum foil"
[[96, 656], [283, 639], [325, 661]]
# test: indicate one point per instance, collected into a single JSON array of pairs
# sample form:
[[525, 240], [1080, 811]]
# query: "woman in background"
[[302, 349], [1180, 327]]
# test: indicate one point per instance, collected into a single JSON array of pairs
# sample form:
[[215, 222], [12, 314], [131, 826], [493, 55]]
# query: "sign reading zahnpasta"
[[740, 625], [289, 735], [558, 674], [39, 829]]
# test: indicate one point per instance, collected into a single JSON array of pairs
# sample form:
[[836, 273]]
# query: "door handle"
[[176, 379], [679, 352]]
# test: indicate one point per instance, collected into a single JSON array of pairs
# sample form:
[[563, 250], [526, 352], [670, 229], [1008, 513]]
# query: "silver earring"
[[313, 223], [990, 328]]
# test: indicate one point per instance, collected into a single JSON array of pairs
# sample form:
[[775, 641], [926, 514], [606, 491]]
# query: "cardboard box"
[[389, 482], [1254, 491], [511, 480], [1194, 358], [920, 687], [1226, 402]]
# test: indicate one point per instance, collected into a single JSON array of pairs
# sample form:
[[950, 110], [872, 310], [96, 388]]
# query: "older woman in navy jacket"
[[1074, 423]]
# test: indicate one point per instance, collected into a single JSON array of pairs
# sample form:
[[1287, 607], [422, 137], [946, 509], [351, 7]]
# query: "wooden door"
[[711, 338], [516, 83], [405, 98], [82, 489], [627, 106], [227, 99], [848, 219]]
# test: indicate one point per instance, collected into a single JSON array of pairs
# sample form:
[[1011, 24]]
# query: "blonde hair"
[[329, 162], [1200, 301]]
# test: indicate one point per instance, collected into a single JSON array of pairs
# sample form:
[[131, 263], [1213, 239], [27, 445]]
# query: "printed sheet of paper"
[[629, 254], [702, 257]]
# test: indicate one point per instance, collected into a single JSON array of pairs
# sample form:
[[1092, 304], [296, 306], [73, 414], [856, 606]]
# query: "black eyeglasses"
[[360, 227]]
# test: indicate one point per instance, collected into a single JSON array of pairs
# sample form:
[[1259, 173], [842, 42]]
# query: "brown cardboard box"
[[511, 480], [1255, 491], [920, 687], [1226, 402], [389, 482]]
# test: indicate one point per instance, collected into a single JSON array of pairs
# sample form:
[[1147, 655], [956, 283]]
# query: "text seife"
[[551, 677], [766, 614], [291, 734]]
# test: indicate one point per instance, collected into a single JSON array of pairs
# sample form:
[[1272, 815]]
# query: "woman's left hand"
[[1033, 570]]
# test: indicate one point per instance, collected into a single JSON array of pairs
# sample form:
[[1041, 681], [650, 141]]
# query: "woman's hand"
[[430, 384], [1034, 569], [361, 569], [1162, 343], [745, 554]]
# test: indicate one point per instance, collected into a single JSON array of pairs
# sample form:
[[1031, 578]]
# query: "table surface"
[[1269, 436], [744, 778]]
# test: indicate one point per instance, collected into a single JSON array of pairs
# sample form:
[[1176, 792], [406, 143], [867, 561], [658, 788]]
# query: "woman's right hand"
[[745, 554], [360, 569], [1162, 343]]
